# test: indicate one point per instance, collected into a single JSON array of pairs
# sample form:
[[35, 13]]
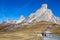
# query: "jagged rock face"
[[43, 14]]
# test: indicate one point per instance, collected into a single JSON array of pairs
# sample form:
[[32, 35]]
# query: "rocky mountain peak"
[[44, 6], [21, 19], [44, 14]]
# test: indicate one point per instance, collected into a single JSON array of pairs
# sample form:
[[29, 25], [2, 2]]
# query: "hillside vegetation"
[[29, 32]]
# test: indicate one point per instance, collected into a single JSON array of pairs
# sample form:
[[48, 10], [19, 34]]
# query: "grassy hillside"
[[29, 32], [55, 29], [36, 27]]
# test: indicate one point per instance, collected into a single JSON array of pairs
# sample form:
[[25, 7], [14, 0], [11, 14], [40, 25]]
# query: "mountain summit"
[[43, 14]]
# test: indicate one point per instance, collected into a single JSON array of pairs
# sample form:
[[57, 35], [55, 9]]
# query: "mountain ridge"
[[42, 14]]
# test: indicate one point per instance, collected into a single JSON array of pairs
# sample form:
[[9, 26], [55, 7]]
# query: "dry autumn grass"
[[27, 33], [55, 29], [19, 36]]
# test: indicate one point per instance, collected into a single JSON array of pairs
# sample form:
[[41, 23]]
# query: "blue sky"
[[13, 9]]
